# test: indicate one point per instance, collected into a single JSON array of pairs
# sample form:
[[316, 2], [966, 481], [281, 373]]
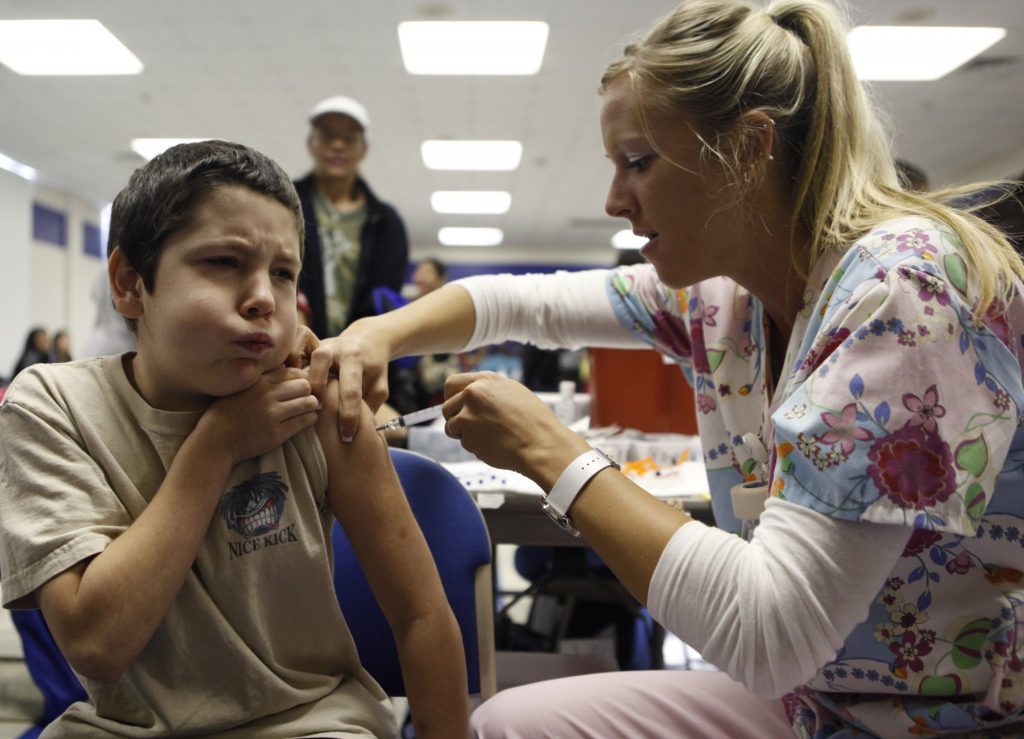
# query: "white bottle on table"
[[565, 407]]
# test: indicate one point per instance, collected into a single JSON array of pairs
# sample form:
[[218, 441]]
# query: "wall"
[[62, 277], [15, 273], [44, 283]]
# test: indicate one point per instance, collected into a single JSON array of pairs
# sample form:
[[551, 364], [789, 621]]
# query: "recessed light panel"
[[472, 155], [916, 52], [470, 201], [473, 47], [149, 148], [15, 167], [452, 236], [64, 47]]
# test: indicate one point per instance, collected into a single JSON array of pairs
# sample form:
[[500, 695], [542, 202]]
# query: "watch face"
[[559, 518]]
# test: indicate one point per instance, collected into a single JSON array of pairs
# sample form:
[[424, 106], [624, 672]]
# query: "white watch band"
[[571, 482]]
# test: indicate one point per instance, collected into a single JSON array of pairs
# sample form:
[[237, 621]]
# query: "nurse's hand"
[[506, 425], [360, 361]]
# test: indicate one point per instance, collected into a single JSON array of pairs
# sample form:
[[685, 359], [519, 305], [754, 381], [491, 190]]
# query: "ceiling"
[[249, 71]]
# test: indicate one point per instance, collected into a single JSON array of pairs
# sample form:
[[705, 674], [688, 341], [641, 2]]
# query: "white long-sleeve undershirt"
[[771, 611], [565, 310], [768, 612]]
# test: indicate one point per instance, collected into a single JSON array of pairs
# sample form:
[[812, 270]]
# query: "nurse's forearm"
[[441, 321]]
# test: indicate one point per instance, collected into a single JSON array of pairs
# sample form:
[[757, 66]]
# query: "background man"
[[354, 242]]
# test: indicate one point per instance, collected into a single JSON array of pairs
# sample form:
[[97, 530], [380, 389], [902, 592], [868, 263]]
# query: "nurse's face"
[[675, 198]]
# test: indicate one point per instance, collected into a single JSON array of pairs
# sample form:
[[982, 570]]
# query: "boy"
[[169, 510]]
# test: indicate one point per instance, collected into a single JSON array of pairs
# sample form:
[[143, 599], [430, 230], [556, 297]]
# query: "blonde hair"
[[714, 60]]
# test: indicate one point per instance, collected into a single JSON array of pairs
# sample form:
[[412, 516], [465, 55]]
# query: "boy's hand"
[[264, 416], [305, 342]]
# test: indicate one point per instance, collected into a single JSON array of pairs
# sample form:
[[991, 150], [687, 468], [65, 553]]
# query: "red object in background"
[[634, 388]]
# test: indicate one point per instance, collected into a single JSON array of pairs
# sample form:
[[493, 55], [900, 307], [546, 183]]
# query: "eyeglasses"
[[323, 137]]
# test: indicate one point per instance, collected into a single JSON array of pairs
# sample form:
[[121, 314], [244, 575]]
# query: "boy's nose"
[[259, 298]]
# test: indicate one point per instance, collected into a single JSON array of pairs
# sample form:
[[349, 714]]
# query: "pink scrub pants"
[[664, 704]]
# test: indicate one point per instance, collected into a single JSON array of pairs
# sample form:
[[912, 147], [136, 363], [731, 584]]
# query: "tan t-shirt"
[[254, 645]]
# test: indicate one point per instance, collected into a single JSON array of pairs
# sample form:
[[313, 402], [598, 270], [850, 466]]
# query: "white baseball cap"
[[344, 105]]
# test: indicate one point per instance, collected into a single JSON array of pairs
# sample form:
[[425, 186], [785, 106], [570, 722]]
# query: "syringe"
[[411, 419]]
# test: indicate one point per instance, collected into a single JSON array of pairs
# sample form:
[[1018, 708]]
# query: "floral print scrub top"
[[897, 406]]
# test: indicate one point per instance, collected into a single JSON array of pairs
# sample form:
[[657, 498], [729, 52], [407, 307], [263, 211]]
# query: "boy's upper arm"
[[367, 498], [56, 504], [55, 596]]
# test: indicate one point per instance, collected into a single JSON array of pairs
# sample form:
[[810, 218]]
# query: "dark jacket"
[[383, 255]]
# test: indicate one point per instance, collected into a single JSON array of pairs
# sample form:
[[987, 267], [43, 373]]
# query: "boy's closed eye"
[[222, 261]]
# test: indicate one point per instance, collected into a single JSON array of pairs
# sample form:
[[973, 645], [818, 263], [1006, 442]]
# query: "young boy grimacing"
[[170, 510]]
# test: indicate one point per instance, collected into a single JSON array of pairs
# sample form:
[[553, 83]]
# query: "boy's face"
[[223, 308]]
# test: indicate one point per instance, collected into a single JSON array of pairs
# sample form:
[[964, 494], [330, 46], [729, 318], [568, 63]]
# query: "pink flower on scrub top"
[[960, 564], [670, 332], [911, 647], [911, 466], [844, 429], [699, 351], [917, 242], [931, 287], [816, 357], [925, 410], [920, 540]]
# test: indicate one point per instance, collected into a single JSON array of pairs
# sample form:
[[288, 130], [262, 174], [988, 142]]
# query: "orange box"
[[634, 388]]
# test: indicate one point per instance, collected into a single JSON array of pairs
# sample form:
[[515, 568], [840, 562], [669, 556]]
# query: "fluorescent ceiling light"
[[470, 236], [470, 201], [16, 167], [472, 47], [626, 239], [64, 47], [916, 52], [149, 148], [472, 155]]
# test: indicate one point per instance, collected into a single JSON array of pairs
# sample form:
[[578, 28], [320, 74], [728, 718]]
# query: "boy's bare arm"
[[368, 500], [103, 611]]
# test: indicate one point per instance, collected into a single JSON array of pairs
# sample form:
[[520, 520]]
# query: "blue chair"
[[49, 671], [457, 536]]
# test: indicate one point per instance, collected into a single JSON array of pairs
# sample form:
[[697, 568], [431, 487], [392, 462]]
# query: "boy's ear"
[[126, 286]]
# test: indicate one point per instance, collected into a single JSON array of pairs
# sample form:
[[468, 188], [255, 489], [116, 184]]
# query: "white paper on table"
[[685, 480], [477, 477]]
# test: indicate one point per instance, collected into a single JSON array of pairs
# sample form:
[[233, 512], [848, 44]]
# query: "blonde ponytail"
[[713, 60]]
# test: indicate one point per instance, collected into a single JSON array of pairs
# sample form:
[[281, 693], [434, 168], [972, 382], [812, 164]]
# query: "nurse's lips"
[[255, 343]]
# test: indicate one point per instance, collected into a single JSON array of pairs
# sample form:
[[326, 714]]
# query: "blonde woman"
[[855, 353]]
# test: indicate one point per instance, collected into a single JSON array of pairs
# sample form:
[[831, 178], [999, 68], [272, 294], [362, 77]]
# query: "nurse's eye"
[[639, 163]]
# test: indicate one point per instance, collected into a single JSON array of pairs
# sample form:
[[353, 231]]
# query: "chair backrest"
[[457, 536], [386, 299], [48, 668]]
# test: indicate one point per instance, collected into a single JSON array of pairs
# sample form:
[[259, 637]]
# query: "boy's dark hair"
[[162, 194]]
